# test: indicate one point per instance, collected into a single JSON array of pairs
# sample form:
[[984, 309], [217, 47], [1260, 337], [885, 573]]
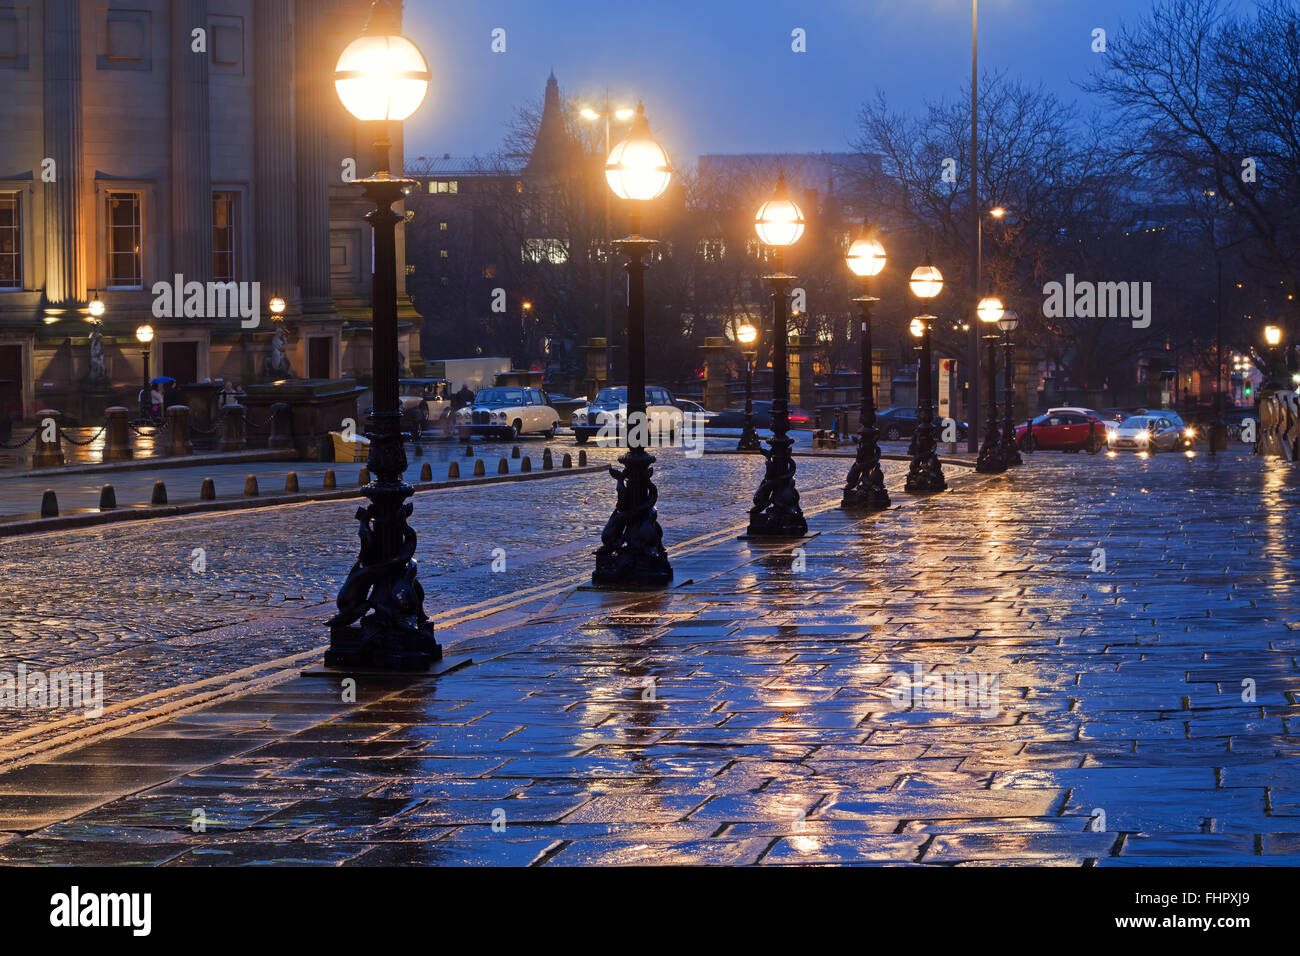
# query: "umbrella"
[[163, 380]]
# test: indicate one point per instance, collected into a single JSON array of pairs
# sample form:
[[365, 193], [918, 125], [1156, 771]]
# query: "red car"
[[1066, 431]]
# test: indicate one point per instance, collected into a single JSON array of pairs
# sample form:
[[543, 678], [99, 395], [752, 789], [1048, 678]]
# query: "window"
[[125, 40], [223, 236], [554, 251], [449, 186], [11, 242], [713, 250], [444, 254], [442, 227], [13, 38], [123, 268], [227, 44]]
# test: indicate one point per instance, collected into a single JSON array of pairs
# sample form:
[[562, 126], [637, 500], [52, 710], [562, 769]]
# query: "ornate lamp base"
[[776, 512], [1010, 451], [926, 474], [864, 489], [749, 440], [381, 622], [991, 459], [632, 555]]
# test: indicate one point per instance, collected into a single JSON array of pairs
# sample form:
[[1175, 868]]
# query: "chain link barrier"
[[82, 444]]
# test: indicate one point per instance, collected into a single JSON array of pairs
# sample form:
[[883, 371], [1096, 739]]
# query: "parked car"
[[1063, 431], [897, 423], [1159, 431], [609, 411], [734, 417], [696, 409], [1235, 419], [508, 412], [426, 402]]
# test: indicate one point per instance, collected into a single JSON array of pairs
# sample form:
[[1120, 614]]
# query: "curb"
[[92, 519], [145, 464]]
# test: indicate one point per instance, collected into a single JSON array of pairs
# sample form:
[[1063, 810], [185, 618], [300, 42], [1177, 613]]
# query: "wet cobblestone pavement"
[[1133, 713], [127, 600]]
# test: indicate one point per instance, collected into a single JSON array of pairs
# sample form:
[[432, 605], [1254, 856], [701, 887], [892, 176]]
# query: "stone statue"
[[98, 370], [276, 365]]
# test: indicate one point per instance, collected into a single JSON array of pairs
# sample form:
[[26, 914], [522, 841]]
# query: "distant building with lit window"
[[199, 138]]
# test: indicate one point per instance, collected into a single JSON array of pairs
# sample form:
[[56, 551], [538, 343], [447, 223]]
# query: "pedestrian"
[[464, 397], [155, 403], [172, 395], [227, 396]]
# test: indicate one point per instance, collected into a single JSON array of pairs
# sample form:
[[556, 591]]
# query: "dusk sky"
[[720, 76]]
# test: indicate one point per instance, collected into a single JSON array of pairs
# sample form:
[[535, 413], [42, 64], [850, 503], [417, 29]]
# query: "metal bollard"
[[479, 470], [426, 472], [107, 498], [526, 464], [453, 470], [281, 427], [331, 480], [547, 461], [117, 434], [49, 447], [49, 505], [504, 467], [178, 431], [291, 483], [159, 494], [234, 436], [250, 487], [208, 490]]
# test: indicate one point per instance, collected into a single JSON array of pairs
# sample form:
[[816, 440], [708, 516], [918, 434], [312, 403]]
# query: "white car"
[[508, 412], [607, 415]]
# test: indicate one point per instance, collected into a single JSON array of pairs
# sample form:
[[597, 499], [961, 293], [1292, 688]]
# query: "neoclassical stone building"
[[145, 139]]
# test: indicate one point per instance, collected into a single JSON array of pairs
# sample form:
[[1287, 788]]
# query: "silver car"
[[1149, 433]]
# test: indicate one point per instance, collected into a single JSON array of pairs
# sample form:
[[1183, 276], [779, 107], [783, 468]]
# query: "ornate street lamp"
[[865, 487], [144, 335], [96, 309], [776, 510], [991, 458], [1010, 453], [382, 78], [631, 553], [925, 473], [747, 336]]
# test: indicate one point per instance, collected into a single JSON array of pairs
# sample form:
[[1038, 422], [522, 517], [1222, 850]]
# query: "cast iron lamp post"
[[925, 473], [631, 553], [382, 78], [776, 511], [991, 458], [865, 486], [1010, 453], [747, 335], [1276, 366], [144, 335]]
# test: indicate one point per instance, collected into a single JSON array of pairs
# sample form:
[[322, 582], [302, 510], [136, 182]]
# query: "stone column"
[[191, 168], [314, 91], [275, 209], [65, 274]]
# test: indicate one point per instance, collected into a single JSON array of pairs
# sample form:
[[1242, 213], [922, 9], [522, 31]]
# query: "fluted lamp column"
[[1010, 451], [747, 336], [776, 511], [632, 554], [865, 487], [382, 78], [991, 457], [925, 474]]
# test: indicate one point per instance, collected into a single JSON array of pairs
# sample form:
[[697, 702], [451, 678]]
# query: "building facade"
[[176, 142]]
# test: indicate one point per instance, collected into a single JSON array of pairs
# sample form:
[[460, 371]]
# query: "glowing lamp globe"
[[926, 282], [144, 334], [638, 167], [866, 256], [381, 75], [277, 305], [96, 308], [1009, 321], [779, 221], [990, 310], [917, 328], [1272, 335], [746, 335]]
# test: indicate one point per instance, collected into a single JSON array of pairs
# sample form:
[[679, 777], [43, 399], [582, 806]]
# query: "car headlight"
[[499, 416], [1189, 432]]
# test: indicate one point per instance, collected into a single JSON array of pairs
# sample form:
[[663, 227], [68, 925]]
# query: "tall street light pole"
[[776, 511], [631, 554], [865, 486], [623, 115], [977, 253], [382, 78]]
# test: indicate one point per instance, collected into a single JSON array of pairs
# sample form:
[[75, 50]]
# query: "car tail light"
[[799, 418]]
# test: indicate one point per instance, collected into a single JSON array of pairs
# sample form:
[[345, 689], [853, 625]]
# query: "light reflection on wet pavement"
[[1056, 714]]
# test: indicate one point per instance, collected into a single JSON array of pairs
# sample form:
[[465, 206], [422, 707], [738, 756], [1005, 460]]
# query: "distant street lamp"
[[96, 308], [631, 554], [382, 78], [991, 457], [776, 512], [623, 115], [1010, 452], [277, 306], [747, 336], [144, 335], [925, 473], [865, 486]]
